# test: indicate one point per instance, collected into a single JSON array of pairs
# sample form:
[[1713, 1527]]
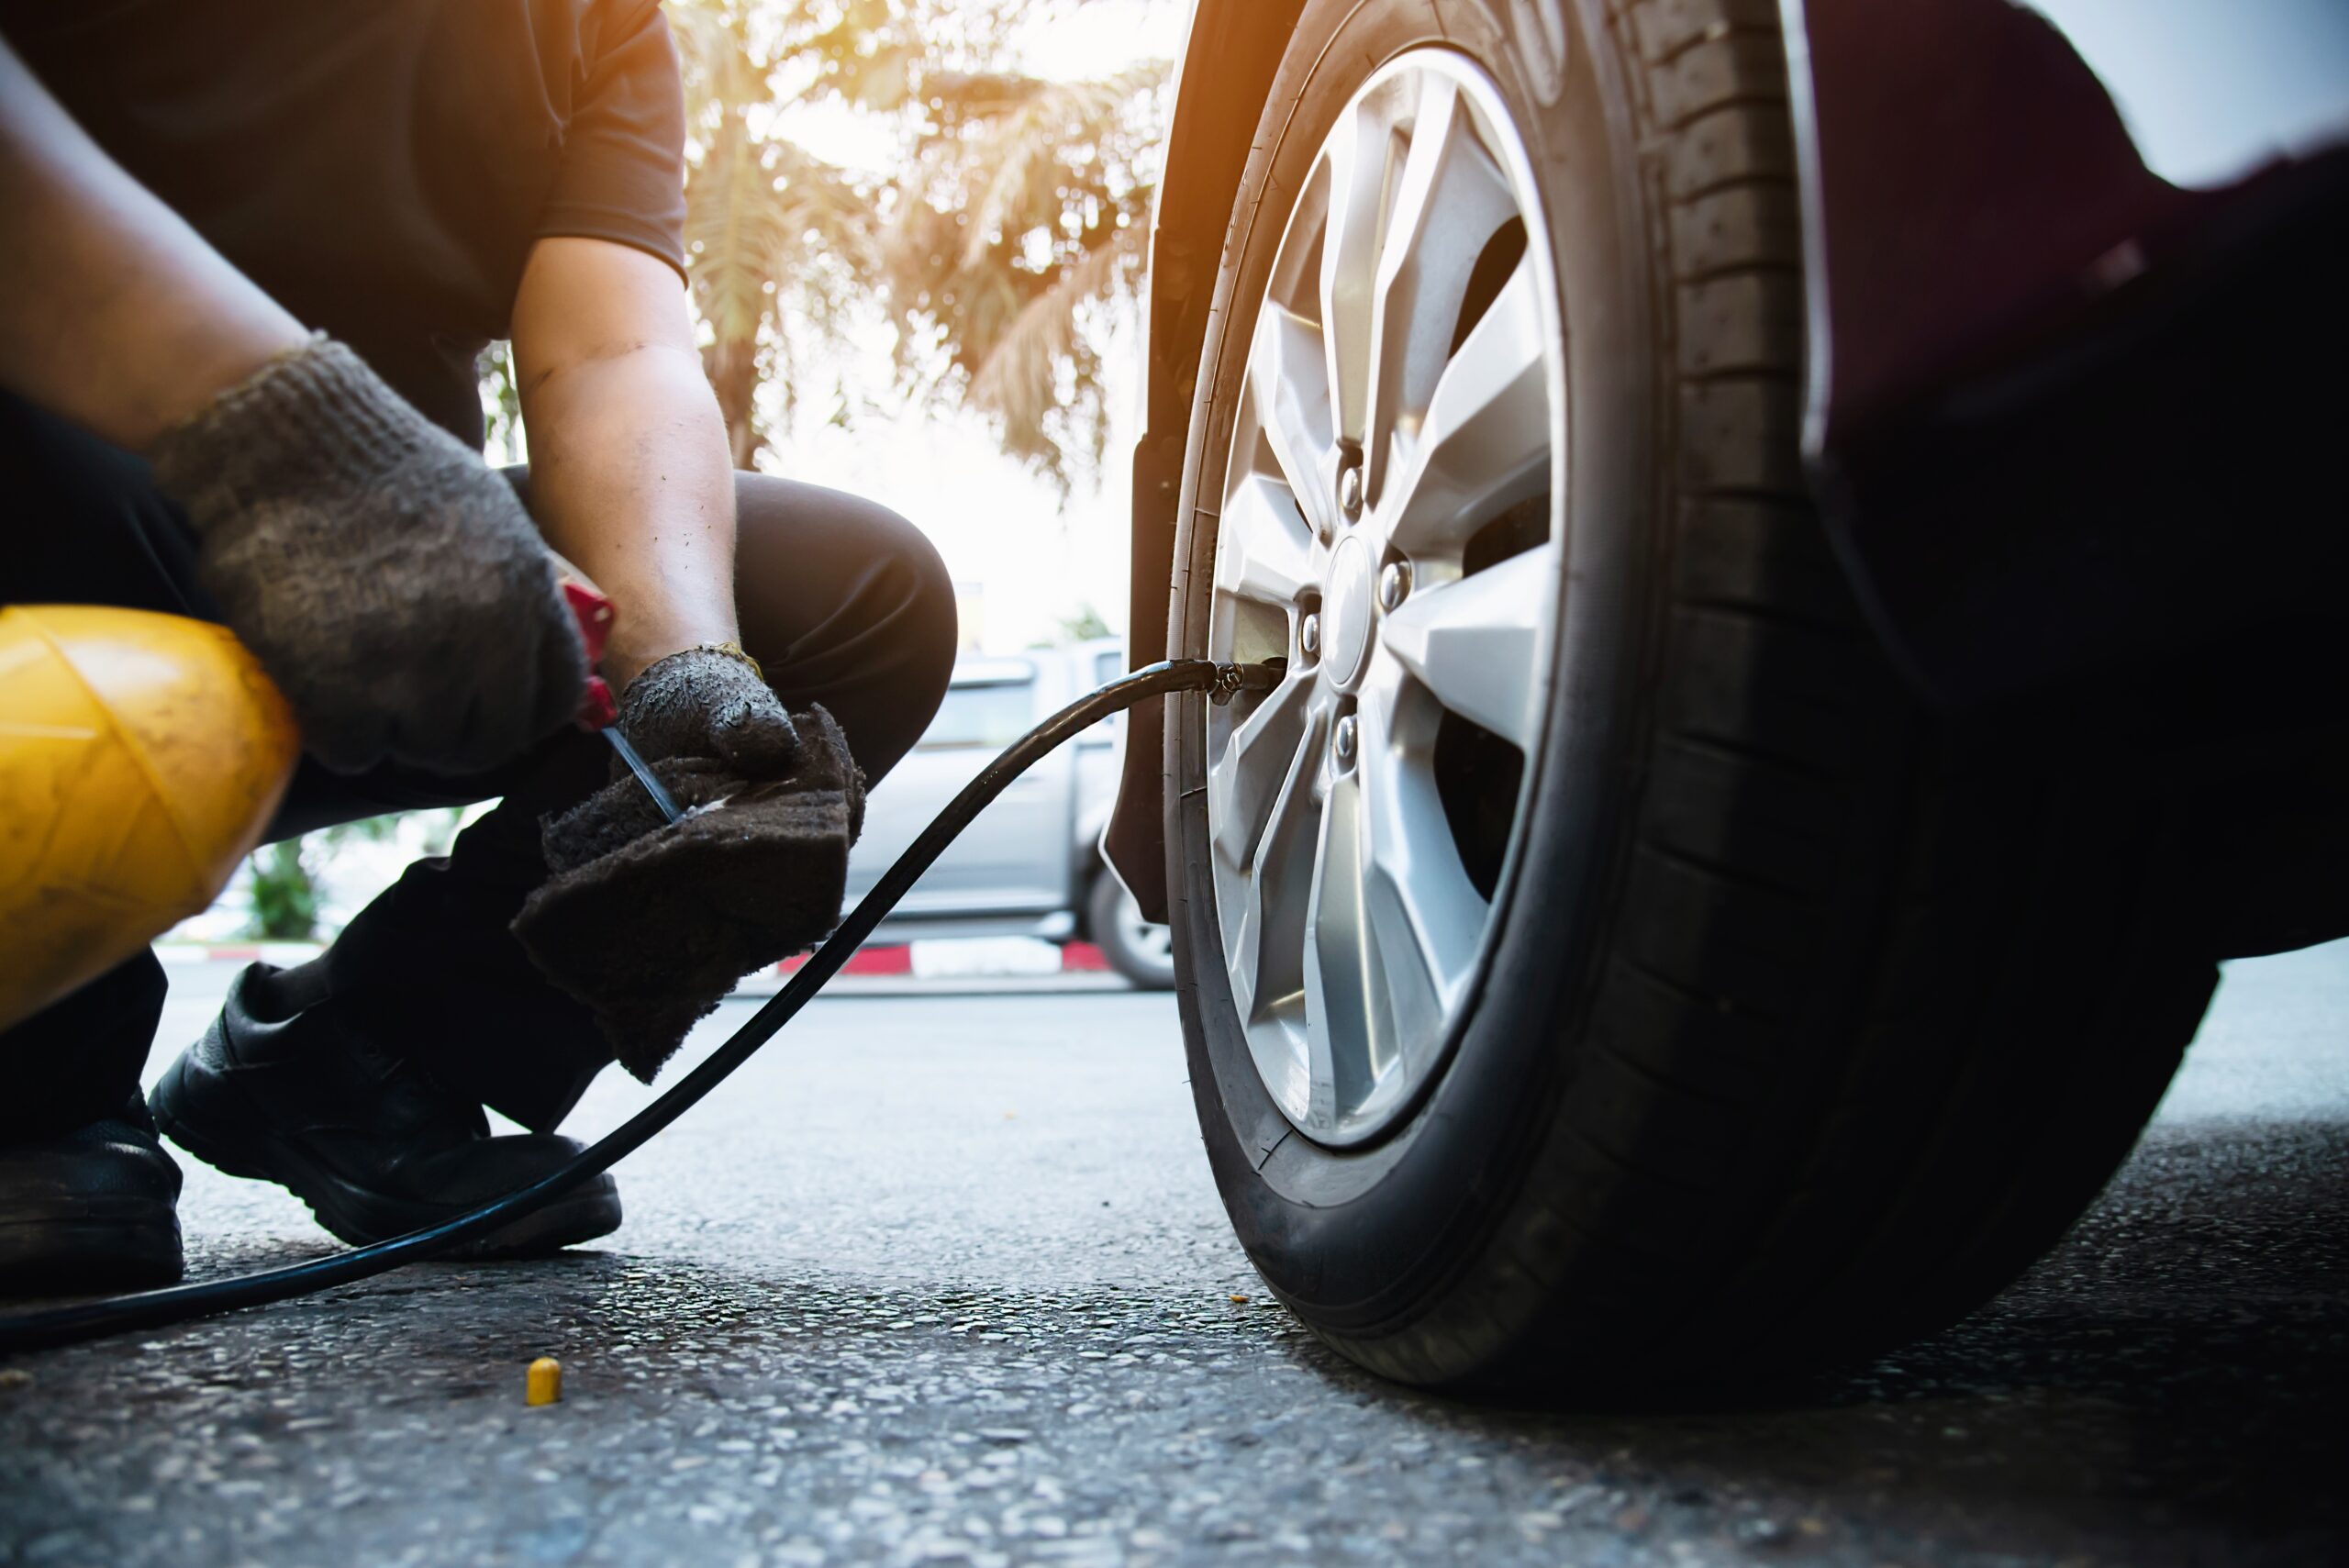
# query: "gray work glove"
[[387, 579], [706, 703]]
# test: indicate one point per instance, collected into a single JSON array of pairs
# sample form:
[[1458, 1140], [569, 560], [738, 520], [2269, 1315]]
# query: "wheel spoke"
[[1338, 1017], [1263, 548], [1254, 768], [1423, 917], [1267, 932], [1485, 441], [1476, 643], [1296, 278], [1450, 200], [1289, 396], [1358, 151]]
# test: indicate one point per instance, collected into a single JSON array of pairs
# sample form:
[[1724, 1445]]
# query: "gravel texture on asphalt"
[[945, 1280]]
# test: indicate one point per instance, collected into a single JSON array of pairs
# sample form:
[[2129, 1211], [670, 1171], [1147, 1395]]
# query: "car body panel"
[[1977, 174], [2064, 258]]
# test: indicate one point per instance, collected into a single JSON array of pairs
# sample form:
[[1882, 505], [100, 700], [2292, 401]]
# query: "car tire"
[[1135, 949], [1806, 1020]]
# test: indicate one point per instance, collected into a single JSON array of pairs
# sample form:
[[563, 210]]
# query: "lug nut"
[[1394, 585], [1308, 637], [1345, 739], [1350, 490]]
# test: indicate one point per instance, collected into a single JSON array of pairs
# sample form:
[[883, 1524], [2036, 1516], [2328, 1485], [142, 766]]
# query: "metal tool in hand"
[[598, 713]]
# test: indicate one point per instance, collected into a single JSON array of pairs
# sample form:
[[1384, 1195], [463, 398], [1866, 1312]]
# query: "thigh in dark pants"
[[841, 601]]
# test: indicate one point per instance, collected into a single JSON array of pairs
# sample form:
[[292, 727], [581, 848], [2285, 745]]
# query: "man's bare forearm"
[[113, 311], [629, 473], [630, 478]]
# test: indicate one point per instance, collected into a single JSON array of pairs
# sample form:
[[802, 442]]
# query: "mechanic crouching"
[[251, 251]]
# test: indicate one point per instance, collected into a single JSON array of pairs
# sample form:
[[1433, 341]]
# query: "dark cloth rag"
[[650, 923]]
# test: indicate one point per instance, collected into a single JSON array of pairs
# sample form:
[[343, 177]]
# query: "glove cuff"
[[708, 702], [723, 649], [313, 417]]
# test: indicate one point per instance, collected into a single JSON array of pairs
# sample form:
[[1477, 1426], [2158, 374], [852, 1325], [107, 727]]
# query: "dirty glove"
[[712, 703], [389, 582], [650, 923]]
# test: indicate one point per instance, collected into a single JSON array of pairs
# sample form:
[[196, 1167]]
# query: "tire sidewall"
[[1359, 1241]]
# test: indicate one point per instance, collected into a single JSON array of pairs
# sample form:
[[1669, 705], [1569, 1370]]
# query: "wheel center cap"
[[1345, 611]]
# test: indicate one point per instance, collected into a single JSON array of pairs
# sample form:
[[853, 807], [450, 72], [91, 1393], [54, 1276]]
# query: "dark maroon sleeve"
[[623, 173]]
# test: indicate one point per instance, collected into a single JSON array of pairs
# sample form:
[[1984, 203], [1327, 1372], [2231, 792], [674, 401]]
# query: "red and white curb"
[[972, 965], [977, 958]]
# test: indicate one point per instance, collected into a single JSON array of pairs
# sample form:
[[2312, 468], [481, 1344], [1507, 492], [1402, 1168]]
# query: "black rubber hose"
[[148, 1309]]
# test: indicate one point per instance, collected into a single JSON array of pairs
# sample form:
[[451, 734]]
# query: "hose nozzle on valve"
[[1230, 680]]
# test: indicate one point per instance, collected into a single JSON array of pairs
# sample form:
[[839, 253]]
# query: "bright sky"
[[1025, 559], [2211, 92]]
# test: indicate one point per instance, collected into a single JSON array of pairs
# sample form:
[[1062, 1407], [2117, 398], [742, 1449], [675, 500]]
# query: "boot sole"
[[190, 1099], [79, 1246]]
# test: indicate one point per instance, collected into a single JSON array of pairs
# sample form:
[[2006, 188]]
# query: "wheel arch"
[[1206, 150]]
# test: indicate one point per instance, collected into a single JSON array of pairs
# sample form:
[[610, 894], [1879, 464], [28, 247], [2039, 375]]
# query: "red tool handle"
[[594, 614]]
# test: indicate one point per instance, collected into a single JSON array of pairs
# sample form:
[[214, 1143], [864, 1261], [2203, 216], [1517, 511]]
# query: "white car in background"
[[1030, 866]]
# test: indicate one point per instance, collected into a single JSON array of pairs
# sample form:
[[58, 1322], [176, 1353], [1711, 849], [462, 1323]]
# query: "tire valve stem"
[[1230, 680]]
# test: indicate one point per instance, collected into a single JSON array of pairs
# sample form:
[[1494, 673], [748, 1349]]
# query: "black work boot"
[[90, 1210], [291, 1090]]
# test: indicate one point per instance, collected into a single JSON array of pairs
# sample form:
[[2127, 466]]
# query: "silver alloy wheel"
[[1385, 429], [1142, 936]]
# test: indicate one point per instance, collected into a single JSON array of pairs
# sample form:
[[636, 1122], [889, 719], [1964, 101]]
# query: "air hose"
[[178, 1304]]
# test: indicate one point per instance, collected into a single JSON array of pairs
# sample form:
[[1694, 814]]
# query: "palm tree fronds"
[[1016, 381], [1020, 200], [1033, 140]]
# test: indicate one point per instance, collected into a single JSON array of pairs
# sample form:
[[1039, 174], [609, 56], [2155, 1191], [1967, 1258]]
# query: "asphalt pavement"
[[943, 1279]]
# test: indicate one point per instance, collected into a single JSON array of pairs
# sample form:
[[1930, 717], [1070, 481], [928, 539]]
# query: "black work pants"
[[842, 602]]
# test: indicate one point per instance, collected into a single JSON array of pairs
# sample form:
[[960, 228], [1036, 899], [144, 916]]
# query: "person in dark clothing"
[[194, 189]]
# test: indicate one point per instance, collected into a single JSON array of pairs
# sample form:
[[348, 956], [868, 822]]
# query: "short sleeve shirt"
[[381, 167]]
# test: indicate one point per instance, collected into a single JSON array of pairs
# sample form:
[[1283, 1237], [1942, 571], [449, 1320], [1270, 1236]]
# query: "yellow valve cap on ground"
[[141, 757]]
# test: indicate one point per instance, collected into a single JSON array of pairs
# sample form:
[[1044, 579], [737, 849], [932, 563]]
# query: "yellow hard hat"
[[141, 757]]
